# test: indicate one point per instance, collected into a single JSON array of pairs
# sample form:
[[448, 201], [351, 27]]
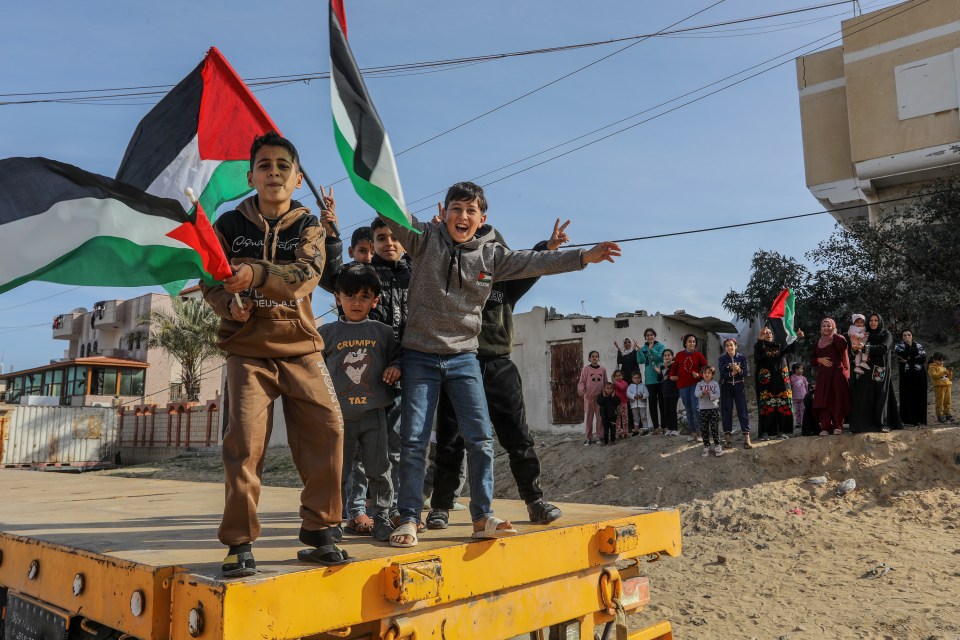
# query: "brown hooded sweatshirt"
[[287, 257]]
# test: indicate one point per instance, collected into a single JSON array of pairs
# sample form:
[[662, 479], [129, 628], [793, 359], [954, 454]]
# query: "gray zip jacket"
[[451, 282]]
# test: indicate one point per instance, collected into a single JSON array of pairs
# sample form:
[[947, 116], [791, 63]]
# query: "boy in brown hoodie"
[[276, 248]]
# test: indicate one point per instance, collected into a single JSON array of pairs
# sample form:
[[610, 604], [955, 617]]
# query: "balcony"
[[107, 314], [66, 326]]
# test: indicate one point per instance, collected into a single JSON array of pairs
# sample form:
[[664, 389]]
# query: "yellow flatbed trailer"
[[86, 556]]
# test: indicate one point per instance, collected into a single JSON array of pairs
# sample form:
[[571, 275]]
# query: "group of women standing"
[[863, 399]]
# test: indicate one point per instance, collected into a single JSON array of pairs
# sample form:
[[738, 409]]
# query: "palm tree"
[[188, 334]]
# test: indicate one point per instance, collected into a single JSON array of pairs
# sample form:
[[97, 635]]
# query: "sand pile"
[[795, 560]]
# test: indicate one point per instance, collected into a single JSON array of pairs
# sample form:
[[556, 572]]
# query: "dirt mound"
[[800, 562]]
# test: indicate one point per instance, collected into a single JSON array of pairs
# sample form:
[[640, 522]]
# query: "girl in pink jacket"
[[592, 379]]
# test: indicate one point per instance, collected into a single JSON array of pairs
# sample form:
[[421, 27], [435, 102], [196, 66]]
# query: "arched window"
[[82, 351], [95, 349]]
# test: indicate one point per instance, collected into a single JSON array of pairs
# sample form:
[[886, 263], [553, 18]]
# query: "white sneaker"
[[691, 439], [718, 451], [705, 452], [675, 433]]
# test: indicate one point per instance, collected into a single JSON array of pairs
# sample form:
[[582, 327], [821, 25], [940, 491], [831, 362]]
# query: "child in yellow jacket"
[[941, 376]]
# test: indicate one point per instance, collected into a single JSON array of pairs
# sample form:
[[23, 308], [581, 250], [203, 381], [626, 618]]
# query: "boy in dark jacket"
[[274, 351], [608, 406]]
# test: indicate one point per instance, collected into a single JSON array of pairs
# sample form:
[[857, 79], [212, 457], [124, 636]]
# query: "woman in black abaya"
[[874, 406], [913, 379]]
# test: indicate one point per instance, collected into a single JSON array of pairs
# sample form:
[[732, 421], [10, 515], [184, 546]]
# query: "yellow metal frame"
[[108, 584], [556, 563]]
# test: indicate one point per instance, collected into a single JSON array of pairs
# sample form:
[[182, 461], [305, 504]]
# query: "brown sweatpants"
[[314, 431]]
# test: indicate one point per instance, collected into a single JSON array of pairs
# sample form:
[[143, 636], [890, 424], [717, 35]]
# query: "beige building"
[[550, 349], [880, 113], [107, 361]]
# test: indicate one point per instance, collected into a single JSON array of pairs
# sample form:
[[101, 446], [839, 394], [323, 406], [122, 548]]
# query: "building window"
[[76, 381], [82, 351], [103, 381], [96, 348], [89, 349], [579, 328], [176, 392], [131, 382], [621, 324]]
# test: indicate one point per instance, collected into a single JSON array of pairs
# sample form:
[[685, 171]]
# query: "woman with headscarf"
[[913, 380], [774, 394], [831, 399], [874, 406]]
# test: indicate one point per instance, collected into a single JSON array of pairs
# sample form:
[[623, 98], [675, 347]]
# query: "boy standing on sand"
[[454, 265], [274, 351]]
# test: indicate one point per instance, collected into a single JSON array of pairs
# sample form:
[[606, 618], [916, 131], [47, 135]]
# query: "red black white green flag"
[[59, 223], [781, 318], [359, 133], [198, 136]]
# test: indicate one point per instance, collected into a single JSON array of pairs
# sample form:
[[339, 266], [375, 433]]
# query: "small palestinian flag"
[[59, 223], [197, 136], [781, 318], [361, 139], [485, 278]]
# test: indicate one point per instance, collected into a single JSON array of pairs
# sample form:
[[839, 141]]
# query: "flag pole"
[[319, 197], [193, 200]]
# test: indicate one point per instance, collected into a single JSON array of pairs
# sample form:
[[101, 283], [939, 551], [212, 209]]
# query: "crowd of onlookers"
[[852, 386]]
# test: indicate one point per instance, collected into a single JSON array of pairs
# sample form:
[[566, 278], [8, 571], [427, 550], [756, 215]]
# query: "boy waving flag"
[[59, 223], [361, 139]]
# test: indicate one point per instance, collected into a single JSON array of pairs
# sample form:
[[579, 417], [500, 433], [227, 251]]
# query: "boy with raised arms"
[[454, 265]]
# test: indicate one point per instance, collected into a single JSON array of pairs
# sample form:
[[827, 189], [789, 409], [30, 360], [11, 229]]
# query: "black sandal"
[[438, 519], [325, 550], [239, 564]]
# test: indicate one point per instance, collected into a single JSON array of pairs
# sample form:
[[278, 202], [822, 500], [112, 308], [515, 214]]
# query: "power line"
[[23, 304], [386, 71], [768, 220]]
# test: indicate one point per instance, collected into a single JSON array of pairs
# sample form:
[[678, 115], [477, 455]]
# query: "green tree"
[[189, 335], [904, 267]]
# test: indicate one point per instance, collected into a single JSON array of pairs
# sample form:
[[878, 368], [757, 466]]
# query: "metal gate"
[[61, 436], [566, 361]]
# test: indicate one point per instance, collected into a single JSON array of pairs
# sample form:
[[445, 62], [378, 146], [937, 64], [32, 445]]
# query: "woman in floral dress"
[[774, 395]]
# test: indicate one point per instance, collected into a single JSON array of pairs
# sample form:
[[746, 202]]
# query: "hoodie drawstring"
[[454, 260]]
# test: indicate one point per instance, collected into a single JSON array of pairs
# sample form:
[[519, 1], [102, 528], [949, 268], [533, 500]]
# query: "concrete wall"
[[533, 334]]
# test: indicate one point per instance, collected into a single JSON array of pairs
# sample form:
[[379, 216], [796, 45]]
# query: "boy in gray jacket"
[[454, 264]]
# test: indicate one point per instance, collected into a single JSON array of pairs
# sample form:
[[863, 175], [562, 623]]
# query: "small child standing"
[[733, 369], [363, 357], [637, 395], [671, 395], [798, 382], [608, 407], [620, 390], [941, 376], [592, 379], [858, 337], [708, 394]]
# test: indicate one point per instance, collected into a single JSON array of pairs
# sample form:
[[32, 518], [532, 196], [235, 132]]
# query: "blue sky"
[[732, 157]]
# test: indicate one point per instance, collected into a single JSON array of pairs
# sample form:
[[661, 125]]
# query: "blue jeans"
[[692, 407], [459, 375]]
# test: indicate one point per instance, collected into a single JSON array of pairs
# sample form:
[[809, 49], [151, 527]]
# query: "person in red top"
[[686, 366], [831, 399]]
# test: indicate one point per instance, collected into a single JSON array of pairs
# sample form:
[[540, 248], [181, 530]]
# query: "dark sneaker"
[[239, 562], [542, 512], [382, 527], [438, 519]]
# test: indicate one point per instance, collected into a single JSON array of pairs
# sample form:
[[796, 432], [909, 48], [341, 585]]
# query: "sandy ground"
[[766, 554]]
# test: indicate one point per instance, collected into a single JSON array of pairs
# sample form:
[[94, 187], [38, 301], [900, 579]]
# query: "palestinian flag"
[[198, 136], [361, 139], [59, 223], [781, 318]]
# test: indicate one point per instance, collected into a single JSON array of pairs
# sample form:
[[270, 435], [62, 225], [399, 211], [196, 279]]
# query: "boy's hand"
[[559, 236], [329, 221], [600, 252], [241, 279], [437, 219], [242, 314], [800, 333], [391, 374], [328, 203]]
